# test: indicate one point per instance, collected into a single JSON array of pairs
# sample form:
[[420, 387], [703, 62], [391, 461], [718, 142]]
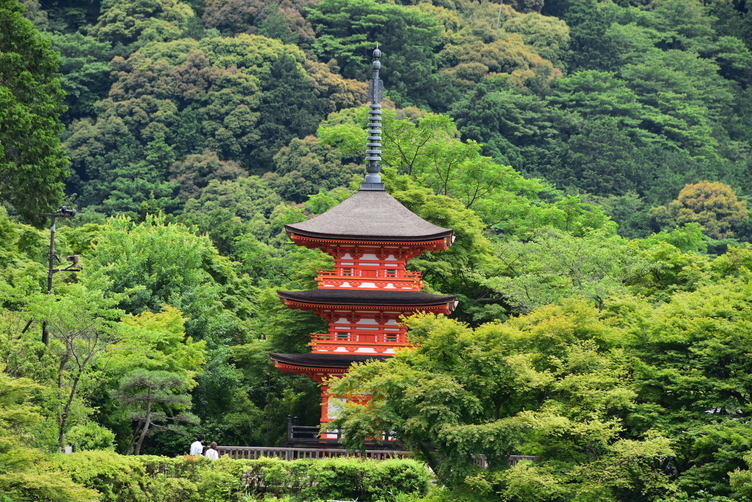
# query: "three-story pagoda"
[[371, 237]]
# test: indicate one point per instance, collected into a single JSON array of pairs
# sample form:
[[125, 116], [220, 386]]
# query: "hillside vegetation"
[[593, 158]]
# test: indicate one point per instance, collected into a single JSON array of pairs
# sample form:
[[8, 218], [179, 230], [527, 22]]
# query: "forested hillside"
[[593, 158]]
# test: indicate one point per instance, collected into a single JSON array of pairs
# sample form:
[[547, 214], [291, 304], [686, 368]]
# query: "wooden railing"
[[360, 337], [255, 452], [297, 434], [355, 278]]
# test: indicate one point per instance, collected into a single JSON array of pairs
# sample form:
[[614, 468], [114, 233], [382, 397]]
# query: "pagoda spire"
[[373, 152]]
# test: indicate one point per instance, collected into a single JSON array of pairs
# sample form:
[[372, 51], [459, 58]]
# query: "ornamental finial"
[[373, 152]]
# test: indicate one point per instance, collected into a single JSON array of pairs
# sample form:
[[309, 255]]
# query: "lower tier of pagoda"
[[321, 368]]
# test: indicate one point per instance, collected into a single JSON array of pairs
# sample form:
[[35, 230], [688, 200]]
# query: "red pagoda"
[[371, 237]]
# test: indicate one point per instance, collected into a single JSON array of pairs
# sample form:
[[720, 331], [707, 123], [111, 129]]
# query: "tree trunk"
[[146, 424]]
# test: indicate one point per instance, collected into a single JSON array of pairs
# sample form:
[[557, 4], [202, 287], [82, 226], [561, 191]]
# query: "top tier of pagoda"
[[371, 237]]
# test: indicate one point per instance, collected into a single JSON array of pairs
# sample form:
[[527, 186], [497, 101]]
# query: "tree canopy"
[[32, 164]]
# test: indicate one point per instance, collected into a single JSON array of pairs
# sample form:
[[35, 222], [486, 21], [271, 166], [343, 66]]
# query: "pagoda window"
[[342, 336], [390, 272], [347, 272]]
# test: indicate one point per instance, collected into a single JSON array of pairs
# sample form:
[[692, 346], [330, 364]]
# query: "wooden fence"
[[254, 452]]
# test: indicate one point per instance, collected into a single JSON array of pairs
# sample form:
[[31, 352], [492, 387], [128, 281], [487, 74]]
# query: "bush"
[[91, 436], [129, 478]]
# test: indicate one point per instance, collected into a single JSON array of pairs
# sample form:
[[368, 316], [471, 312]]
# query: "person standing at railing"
[[197, 447], [212, 452]]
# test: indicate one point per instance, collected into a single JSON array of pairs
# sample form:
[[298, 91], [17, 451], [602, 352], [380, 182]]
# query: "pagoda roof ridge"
[[369, 214], [327, 360], [386, 297]]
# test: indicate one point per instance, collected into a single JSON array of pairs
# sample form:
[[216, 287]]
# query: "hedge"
[[160, 479]]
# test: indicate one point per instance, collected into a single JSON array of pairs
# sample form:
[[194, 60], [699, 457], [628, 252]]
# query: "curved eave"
[[323, 362], [366, 300], [442, 239], [444, 308]]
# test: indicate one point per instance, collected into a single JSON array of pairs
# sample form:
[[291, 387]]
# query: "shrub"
[[139, 478], [91, 436]]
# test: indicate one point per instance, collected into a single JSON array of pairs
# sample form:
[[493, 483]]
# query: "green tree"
[[85, 75], [32, 164], [590, 49], [515, 128], [82, 326], [231, 209], [171, 100], [714, 205], [288, 108], [349, 30], [197, 170], [691, 375], [545, 384], [555, 265], [417, 147], [282, 20], [233, 16], [156, 400], [601, 159], [306, 167], [156, 342], [125, 22], [154, 263], [548, 35]]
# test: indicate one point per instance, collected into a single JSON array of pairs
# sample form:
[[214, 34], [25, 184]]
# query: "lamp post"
[[63, 212]]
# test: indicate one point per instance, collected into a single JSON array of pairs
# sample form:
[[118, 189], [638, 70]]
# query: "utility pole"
[[63, 212]]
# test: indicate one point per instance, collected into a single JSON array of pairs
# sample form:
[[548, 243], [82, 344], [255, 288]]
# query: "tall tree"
[[154, 399], [82, 326], [32, 164]]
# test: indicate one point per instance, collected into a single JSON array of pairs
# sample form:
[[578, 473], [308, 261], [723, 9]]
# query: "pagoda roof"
[[324, 360], [366, 297], [369, 215]]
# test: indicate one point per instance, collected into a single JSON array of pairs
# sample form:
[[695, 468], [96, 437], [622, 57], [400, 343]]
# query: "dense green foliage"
[[592, 157], [32, 163], [127, 479]]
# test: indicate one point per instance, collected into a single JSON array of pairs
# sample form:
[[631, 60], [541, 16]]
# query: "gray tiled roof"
[[370, 214], [366, 297], [319, 360]]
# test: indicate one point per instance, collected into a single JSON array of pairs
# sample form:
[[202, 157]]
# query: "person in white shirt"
[[212, 452], [197, 447]]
